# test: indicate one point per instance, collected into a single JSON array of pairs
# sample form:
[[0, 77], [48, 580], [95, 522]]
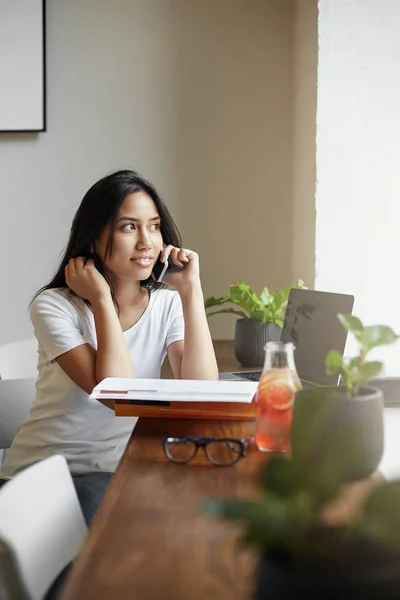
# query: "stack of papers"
[[152, 391]]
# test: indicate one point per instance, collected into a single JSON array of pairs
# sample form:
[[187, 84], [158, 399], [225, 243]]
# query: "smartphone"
[[160, 269]]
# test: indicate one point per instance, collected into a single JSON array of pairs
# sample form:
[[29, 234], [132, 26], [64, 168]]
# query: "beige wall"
[[235, 82], [304, 145]]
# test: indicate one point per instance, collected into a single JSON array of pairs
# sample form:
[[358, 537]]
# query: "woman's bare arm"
[[85, 365]]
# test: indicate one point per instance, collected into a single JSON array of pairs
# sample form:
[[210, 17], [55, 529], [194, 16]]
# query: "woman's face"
[[137, 239]]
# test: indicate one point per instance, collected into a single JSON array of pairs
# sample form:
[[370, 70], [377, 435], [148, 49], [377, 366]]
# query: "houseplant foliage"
[[260, 318], [268, 307], [359, 370], [299, 553], [337, 435], [326, 419]]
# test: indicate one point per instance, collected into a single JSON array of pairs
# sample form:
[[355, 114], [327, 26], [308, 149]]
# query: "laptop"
[[312, 325]]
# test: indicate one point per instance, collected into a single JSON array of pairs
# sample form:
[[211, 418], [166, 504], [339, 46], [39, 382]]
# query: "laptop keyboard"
[[250, 375], [255, 376]]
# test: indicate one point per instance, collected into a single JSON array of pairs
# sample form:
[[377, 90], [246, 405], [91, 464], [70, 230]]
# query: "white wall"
[[358, 154], [196, 95]]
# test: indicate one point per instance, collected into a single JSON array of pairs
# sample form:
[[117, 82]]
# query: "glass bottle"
[[278, 384]]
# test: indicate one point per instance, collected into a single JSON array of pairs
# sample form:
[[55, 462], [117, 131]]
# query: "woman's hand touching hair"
[[85, 280]]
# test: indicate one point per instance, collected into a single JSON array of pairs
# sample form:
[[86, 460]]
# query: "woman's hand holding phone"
[[183, 267]]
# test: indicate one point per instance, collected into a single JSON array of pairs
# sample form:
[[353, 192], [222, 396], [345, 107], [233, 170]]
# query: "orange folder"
[[238, 411]]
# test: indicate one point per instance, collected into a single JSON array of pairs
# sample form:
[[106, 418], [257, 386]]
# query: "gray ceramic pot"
[[338, 436], [250, 339], [360, 571]]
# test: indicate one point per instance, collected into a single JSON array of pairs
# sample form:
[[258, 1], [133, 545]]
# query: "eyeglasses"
[[220, 451]]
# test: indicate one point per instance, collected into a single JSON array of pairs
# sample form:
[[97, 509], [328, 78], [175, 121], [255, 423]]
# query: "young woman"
[[103, 315]]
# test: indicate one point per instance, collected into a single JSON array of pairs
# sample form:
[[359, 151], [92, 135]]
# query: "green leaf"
[[367, 371], [278, 305], [242, 295], [376, 335], [286, 290], [353, 367], [212, 301], [269, 307], [384, 501], [380, 519], [278, 301], [265, 297], [333, 362], [358, 370], [232, 508], [240, 313], [351, 323], [268, 521], [280, 476]]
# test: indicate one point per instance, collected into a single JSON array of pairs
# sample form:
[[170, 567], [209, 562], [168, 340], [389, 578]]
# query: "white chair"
[[18, 360], [11, 587], [16, 399], [41, 522]]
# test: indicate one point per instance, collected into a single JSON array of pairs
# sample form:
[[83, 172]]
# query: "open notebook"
[[156, 391]]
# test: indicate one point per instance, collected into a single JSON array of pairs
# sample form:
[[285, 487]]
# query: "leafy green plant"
[[359, 370], [269, 306], [285, 521]]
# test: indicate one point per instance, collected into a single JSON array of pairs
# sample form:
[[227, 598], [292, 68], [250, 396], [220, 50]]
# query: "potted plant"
[[337, 435], [302, 553], [349, 417], [261, 318]]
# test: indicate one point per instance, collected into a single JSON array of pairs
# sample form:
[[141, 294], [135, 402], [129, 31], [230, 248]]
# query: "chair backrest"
[[42, 523], [16, 399], [18, 360], [11, 586]]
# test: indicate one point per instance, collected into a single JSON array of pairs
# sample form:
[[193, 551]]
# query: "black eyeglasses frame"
[[202, 442]]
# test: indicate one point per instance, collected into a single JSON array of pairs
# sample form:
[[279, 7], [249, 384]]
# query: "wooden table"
[[152, 539]]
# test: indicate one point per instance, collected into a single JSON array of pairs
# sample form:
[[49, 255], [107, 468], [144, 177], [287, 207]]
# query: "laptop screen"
[[312, 325]]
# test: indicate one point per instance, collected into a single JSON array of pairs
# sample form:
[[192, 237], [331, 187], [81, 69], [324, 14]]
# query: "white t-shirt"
[[63, 419]]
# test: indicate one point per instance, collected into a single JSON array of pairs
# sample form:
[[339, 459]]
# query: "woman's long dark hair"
[[100, 207]]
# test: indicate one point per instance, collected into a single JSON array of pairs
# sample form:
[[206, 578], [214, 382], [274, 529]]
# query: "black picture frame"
[[43, 124]]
